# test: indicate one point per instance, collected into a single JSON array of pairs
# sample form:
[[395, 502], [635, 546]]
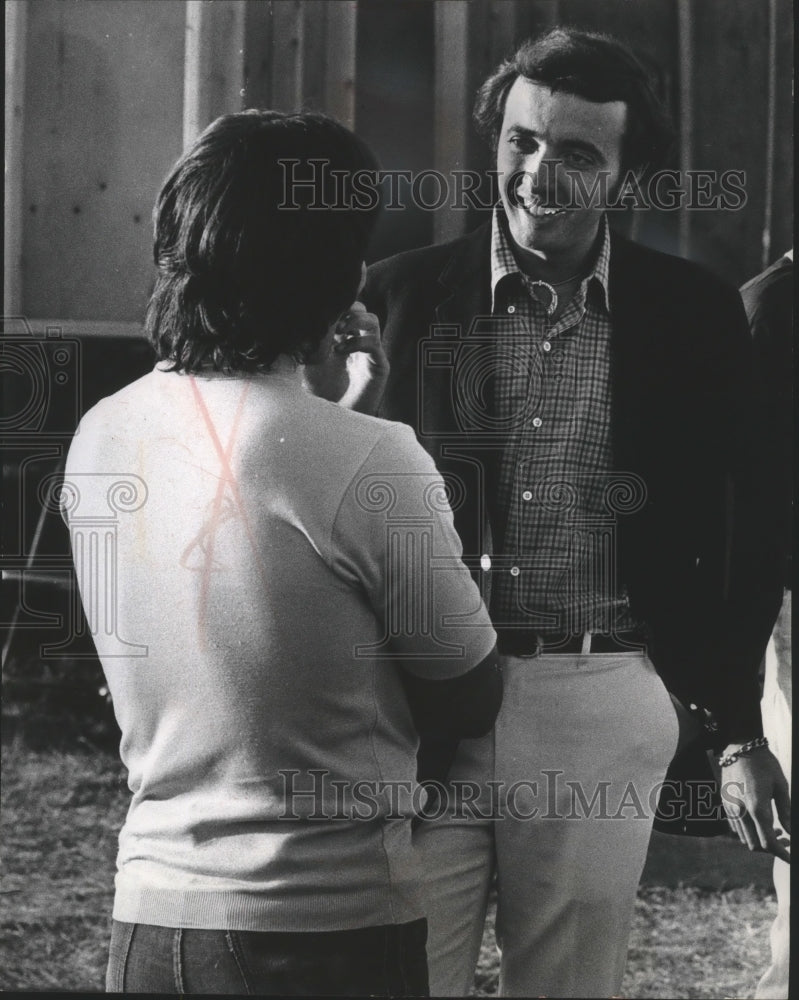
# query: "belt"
[[525, 642]]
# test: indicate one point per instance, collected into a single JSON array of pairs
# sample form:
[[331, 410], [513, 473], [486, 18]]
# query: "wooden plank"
[[685, 60], [195, 97], [452, 100], [214, 63], [783, 199], [731, 81], [103, 125], [257, 55], [227, 58], [504, 30], [394, 111], [287, 31], [339, 63], [16, 23], [313, 54], [771, 134]]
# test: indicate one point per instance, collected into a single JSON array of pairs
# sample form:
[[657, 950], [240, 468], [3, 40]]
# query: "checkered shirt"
[[554, 568]]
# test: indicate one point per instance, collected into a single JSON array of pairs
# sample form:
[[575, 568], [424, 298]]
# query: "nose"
[[538, 173]]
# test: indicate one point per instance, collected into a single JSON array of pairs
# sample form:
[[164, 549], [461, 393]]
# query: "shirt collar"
[[504, 263]]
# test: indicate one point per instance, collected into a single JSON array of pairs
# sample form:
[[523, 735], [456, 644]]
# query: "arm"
[[395, 537], [447, 711], [754, 593]]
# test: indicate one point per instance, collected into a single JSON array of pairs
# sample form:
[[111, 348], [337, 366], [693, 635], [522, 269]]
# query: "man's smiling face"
[[544, 135]]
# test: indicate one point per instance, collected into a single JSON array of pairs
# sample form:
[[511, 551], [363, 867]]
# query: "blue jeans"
[[384, 961]]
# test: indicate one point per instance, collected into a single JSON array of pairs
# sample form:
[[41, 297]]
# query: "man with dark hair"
[[270, 711], [589, 400]]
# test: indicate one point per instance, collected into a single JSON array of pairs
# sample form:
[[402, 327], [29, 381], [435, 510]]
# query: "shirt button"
[[547, 346], [514, 571], [537, 421], [485, 563], [511, 309], [527, 495]]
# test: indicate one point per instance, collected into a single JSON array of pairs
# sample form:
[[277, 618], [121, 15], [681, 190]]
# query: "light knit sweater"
[[282, 536]]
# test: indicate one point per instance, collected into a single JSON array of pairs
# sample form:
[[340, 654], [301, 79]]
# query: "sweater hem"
[[255, 911]]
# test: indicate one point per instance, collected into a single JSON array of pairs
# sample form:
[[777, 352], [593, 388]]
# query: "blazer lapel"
[[465, 284], [465, 281], [460, 296], [631, 329]]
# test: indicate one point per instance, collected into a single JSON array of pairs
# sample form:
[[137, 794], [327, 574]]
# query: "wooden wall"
[[102, 111], [103, 94]]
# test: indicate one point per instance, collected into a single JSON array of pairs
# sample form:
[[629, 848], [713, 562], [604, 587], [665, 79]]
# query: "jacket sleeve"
[[753, 578], [445, 712]]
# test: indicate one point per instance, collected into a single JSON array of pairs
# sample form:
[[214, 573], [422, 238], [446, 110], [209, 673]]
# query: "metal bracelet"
[[758, 743]]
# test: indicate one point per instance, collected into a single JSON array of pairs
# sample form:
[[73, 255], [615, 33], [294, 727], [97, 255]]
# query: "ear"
[[363, 278]]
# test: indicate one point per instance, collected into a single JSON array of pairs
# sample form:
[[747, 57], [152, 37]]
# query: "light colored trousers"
[[581, 746], [776, 711]]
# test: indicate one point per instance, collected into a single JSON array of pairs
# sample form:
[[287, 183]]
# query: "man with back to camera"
[[589, 399], [269, 716]]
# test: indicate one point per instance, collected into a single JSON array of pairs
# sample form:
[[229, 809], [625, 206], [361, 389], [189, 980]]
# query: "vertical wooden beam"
[[686, 110], [258, 55], [195, 90], [16, 17], [313, 54], [214, 63], [504, 29], [451, 107], [782, 216], [771, 134], [287, 42], [341, 38], [730, 70]]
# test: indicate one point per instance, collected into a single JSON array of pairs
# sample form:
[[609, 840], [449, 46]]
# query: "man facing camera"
[[590, 400]]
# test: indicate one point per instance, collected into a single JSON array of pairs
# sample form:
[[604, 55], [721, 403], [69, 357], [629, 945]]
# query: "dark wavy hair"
[[250, 266], [595, 67]]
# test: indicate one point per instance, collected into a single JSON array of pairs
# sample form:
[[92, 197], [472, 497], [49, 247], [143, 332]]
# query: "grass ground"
[[701, 922]]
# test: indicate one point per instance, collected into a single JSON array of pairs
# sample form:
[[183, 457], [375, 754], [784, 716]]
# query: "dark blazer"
[[684, 424]]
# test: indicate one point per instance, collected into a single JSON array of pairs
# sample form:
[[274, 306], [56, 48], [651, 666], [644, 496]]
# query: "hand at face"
[[355, 368], [755, 782]]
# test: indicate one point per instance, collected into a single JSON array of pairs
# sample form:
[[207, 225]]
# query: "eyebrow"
[[572, 143]]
